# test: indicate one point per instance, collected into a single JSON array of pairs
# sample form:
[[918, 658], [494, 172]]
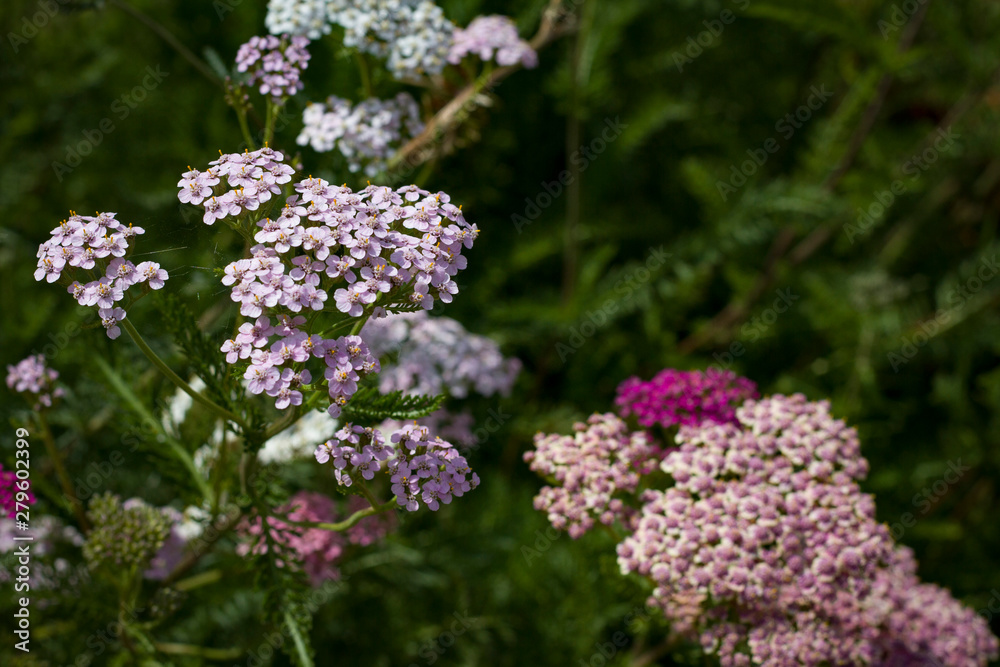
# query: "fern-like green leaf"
[[368, 405]]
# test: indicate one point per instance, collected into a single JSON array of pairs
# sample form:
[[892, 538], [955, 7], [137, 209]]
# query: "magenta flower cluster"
[[318, 549], [595, 471], [8, 493], [684, 397], [274, 64], [489, 36], [31, 376], [252, 178], [421, 468], [97, 244]]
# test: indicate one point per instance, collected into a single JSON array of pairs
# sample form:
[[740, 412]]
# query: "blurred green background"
[[894, 319]]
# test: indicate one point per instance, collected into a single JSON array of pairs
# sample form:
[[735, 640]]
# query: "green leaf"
[[371, 406]]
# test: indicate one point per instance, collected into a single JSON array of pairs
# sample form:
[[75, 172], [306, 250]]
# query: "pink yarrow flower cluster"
[[274, 64], [596, 469], [766, 550], [252, 179], [489, 35], [394, 248], [31, 376], [100, 245], [421, 468], [316, 548], [10, 486], [684, 397]]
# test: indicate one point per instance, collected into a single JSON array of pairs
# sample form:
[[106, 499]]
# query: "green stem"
[[197, 580], [176, 379], [241, 115], [67, 486], [200, 651], [178, 450], [349, 521], [269, 122], [300, 645], [170, 39], [366, 79]]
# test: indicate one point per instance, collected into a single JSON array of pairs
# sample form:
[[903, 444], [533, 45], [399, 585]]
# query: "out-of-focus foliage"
[[894, 320]]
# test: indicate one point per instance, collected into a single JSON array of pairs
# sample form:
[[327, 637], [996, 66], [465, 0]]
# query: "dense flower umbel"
[[413, 35], [297, 17], [487, 35], [317, 549], [595, 468], [367, 134], [421, 468], [252, 179], [431, 355], [393, 248], [767, 549], [684, 397], [274, 64], [98, 245], [125, 535], [30, 376], [9, 491]]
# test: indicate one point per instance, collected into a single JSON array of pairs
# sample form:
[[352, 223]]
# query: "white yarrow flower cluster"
[[367, 134]]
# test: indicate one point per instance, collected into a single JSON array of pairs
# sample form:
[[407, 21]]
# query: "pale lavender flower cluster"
[[767, 551], [437, 354], [489, 36], [421, 468], [367, 134], [413, 35], [401, 248], [30, 376], [684, 397], [274, 64], [595, 470], [252, 178], [97, 244], [316, 548]]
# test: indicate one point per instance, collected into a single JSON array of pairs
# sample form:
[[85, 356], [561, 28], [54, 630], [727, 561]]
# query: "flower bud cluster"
[[492, 35], [421, 468], [274, 64], [125, 535], [97, 244], [595, 468], [316, 548], [435, 355], [30, 376], [367, 134], [252, 179], [684, 397]]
